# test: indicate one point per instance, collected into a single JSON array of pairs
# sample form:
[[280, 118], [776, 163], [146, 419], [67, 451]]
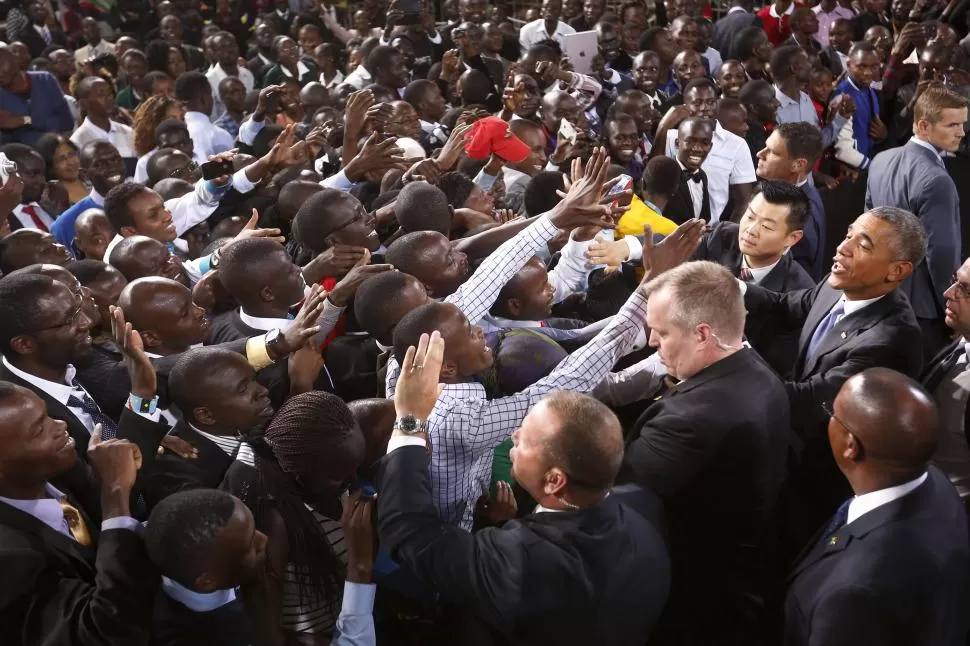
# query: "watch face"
[[408, 423]]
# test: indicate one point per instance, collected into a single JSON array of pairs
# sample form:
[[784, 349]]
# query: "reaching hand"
[[344, 291], [503, 508], [450, 65], [250, 231], [877, 129], [305, 323], [335, 261], [304, 367], [355, 112], [512, 97], [451, 151], [141, 372], [418, 388], [268, 102], [425, 170], [611, 253], [115, 462], [178, 446], [673, 250], [375, 156], [357, 521], [586, 203]]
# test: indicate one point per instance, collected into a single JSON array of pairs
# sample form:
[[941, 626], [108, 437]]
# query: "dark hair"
[[380, 57], [116, 204], [787, 194], [745, 42], [540, 193], [862, 46], [661, 176], [750, 90], [407, 252], [781, 60], [457, 187], [20, 298], [183, 379], [727, 104], [191, 86], [181, 531], [423, 320], [238, 264], [417, 90], [803, 140], [312, 222], [156, 53], [47, 145], [423, 207], [694, 84], [148, 81], [87, 271], [649, 38], [376, 303], [17, 152], [169, 126]]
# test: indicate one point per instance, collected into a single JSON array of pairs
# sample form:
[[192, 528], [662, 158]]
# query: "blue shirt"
[[63, 227], [866, 109], [230, 125], [45, 105]]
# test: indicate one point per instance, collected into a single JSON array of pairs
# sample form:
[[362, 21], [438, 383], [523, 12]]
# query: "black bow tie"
[[693, 175]]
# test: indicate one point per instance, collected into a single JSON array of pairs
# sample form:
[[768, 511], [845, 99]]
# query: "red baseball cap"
[[491, 135]]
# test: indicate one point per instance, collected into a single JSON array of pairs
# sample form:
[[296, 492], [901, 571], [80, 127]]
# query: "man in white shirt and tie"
[[97, 101], [548, 27], [29, 214], [226, 51]]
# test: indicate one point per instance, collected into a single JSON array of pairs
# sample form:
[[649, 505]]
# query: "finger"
[[95, 439], [422, 352], [436, 351], [408, 364]]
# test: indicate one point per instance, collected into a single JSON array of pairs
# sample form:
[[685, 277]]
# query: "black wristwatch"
[[411, 425]]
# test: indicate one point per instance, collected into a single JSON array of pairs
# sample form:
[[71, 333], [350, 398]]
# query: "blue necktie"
[[83, 401], [838, 520], [824, 326]]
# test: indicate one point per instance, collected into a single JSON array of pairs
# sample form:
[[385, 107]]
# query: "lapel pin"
[[834, 540], [843, 336]]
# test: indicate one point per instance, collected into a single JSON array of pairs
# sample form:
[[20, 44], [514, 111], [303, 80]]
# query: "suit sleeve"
[[55, 609], [851, 616], [787, 310], [482, 571], [938, 207]]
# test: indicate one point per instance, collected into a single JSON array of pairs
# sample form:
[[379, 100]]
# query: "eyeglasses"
[[961, 289], [70, 321], [829, 410], [178, 173]]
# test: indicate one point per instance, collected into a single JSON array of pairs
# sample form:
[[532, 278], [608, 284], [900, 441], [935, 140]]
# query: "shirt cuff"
[[205, 264], [743, 286], [358, 598], [399, 441], [248, 130], [241, 181], [484, 180], [635, 246], [120, 522], [338, 181], [217, 190], [436, 39], [256, 354]]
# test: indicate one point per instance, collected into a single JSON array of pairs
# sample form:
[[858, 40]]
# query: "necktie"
[[838, 520], [31, 210], [824, 326], [694, 176], [46, 35], [745, 275], [82, 400], [75, 523]]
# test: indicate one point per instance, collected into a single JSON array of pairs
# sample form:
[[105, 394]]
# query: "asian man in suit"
[[913, 177], [563, 574], [695, 138], [718, 466], [891, 567], [856, 319], [757, 251]]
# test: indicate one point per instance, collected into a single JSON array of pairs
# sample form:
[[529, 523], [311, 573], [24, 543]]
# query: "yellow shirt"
[[631, 223]]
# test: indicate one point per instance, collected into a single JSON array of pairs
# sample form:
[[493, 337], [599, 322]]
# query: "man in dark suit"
[[913, 177], [695, 138], [739, 17], [840, 40], [804, 26], [945, 378], [757, 252], [37, 36], [789, 154], [64, 581], [855, 319], [892, 566], [717, 466], [563, 574]]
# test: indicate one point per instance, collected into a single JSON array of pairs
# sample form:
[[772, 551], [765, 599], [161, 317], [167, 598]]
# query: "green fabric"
[[126, 99], [501, 465], [275, 75]]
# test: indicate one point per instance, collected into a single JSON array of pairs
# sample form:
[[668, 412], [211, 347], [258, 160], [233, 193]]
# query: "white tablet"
[[581, 47]]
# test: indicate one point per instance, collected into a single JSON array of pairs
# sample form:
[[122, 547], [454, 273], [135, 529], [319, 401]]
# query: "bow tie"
[[694, 176]]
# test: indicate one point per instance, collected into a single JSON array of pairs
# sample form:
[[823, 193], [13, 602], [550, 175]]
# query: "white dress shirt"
[[119, 135], [141, 166], [871, 501], [758, 274], [696, 192], [334, 82], [729, 162], [359, 77], [535, 31], [27, 221], [215, 76], [60, 391], [207, 139]]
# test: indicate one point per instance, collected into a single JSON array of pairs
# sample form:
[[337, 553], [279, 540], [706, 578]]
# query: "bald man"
[[92, 233], [891, 567]]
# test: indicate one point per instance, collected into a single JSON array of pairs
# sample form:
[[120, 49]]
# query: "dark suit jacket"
[[727, 28], [896, 575], [912, 178], [777, 348], [680, 208], [809, 252], [884, 333], [714, 448], [830, 58], [176, 625], [55, 591], [596, 575], [35, 42]]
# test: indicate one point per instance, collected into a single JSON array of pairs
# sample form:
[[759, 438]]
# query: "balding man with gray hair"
[[856, 318], [714, 448], [891, 565]]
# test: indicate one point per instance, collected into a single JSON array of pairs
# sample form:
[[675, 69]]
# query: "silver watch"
[[411, 425]]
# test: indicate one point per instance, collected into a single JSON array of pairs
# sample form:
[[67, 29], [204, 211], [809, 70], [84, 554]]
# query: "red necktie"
[[745, 275], [31, 210]]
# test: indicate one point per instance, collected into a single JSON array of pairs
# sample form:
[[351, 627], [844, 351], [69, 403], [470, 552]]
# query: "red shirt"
[[777, 29]]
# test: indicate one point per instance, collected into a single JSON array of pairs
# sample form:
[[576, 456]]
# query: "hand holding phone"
[[216, 169]]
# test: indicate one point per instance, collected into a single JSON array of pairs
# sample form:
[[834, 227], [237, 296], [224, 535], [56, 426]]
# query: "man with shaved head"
[[891, 567], [140, 256]]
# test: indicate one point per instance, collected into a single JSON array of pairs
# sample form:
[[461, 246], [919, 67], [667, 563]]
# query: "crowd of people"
[[366, 323]]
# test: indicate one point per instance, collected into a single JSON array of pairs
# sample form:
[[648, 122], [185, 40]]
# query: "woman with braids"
[[305, 462], [153, 110]]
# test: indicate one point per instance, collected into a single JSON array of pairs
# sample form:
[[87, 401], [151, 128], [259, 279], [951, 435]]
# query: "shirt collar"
[[264, 323], [774, 14], [927, 145], [865, 503], [265, 60], [850, 307], [59, 391], [229, 445], [96, 197], [197, 601], [90, 124], [47, 510], [736, 9], [197, 116], [783, 98], [758, 274], [301, 69]]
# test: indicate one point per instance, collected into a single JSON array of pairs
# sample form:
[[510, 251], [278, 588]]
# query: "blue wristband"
[[140, 405]]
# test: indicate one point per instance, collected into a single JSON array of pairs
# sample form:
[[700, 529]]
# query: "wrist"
[[114, 500], [360, 570], [140, 402], [337, 298]]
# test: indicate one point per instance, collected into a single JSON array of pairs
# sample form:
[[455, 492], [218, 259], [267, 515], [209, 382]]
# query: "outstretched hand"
[[587, 202], [141, 372], [418, 387], [673, 250]]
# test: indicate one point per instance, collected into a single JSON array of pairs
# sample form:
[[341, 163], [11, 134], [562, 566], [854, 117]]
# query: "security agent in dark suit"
[[913, 177], [563, 574], [855, 319], [695, 138], [945, 377], [66, 582], [739, 17], [891, 567], [756, 251], [717, 465]]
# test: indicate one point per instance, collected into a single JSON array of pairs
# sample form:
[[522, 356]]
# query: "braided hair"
[[312, 433]]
